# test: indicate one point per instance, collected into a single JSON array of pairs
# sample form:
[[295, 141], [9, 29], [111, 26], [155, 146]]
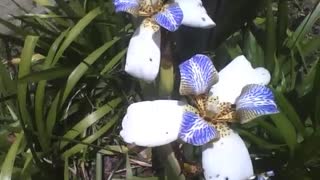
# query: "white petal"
[[227, 158], [194, 14], [143, 56], [152, 123], [237, 74]]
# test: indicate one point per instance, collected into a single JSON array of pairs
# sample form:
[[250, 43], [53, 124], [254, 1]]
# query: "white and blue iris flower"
[[143, 55], [236, 94]]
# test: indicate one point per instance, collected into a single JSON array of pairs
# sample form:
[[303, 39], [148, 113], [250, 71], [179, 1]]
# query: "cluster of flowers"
[[236, 94]]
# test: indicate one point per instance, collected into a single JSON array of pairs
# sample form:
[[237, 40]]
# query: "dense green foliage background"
[[62, 100]]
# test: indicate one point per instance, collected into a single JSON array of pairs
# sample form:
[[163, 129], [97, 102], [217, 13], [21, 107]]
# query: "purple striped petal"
[[170, 17], [129, 6], [254, 101], [197, 75], [195, 130]]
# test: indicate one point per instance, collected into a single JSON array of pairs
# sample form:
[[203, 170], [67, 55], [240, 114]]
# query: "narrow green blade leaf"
[[115, 60], [75, 31], [24, 69], [7, 165], [40, 95], [26, 167], [83, 67], [66, 169], [74, 77], [90, 120], [47, 74], [77, 148], [129, 173]]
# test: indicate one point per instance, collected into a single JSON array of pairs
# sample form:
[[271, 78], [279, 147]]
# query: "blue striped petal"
[[254, 101], [129, 6], [197, 75], [194, 130], [170, 17]]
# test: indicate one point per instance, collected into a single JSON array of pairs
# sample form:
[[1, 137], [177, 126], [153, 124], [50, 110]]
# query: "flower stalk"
[[165, 153]]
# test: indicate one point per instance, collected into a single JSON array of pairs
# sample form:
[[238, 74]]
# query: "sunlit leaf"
[[24, 69]]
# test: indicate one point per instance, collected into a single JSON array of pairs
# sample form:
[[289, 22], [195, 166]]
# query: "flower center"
[[221, 113], [148, 8]]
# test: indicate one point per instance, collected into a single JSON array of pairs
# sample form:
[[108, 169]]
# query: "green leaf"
[[90, 120], [7, 165], [273, 132], [252, 50], [129, 173], [66, 168], [47, 74], [287, 130], [73, 78], [307, 81], [276, 74], [115, 60], [113, 149], [258, 141], [24, 69], [79, 71], [44, 2], [26, 167], [90, 139], [75, 31], [286, 108], [40, 95], [310, 45]]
